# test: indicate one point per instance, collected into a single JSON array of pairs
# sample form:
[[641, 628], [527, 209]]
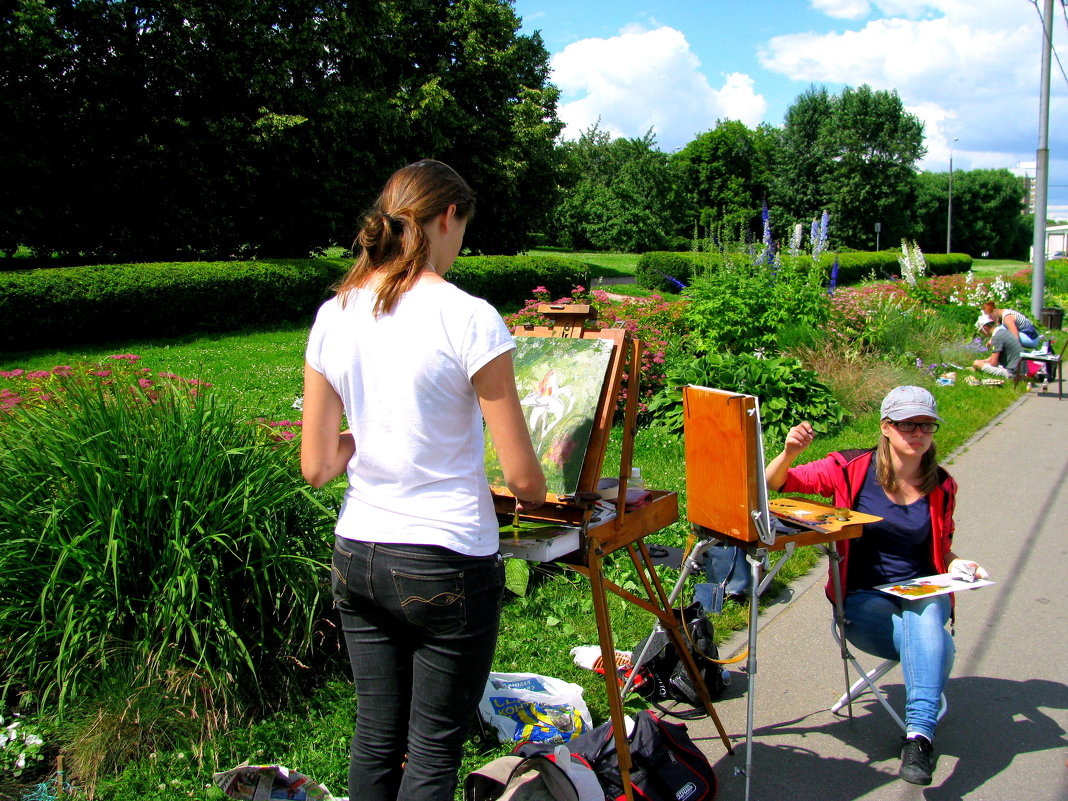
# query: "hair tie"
[[395, 225]]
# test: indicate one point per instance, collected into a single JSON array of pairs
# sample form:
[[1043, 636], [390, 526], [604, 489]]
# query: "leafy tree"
[[189, 128], [724, 175], [987, 213], [853, 154], [616, 194]]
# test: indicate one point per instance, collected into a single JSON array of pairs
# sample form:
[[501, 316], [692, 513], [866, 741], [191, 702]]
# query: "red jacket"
[[841, 474]]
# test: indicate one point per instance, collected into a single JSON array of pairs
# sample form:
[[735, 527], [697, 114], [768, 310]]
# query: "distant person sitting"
[[1017, 323], [1004, 349]]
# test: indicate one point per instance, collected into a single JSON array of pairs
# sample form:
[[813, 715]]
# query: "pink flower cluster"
[[276, 429], [651, 319], [39, 387]]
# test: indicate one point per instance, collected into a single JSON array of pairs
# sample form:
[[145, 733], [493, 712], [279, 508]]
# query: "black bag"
[[664, 673], [665, 763]]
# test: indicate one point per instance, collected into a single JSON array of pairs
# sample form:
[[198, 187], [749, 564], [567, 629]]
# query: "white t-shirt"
[[418, 473]]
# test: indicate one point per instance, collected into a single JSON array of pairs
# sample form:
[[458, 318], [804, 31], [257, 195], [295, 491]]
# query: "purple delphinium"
[[675, 282], [834, 277]]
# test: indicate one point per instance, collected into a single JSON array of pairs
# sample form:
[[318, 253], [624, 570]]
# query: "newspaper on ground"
[[268, 783]]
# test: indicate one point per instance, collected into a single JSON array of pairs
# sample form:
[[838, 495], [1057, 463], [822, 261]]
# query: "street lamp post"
[[949, 205]]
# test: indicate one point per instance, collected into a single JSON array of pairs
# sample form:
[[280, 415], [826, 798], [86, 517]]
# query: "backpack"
[[665, 763], [546, 773], [664, 674]]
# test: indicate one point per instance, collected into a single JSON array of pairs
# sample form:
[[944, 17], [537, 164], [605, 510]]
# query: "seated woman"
[[901, 482], [1018, 324]]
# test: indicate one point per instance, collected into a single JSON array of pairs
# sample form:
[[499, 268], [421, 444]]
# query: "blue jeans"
[[914, 633], [420, 623], [1028, 341]]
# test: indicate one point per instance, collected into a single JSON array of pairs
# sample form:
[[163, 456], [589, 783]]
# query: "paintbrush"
[[515, 521]]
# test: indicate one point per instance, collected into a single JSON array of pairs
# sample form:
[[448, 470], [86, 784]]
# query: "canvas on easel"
[[560, 383]]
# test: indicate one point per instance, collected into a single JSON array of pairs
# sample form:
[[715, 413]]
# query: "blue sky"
[[969, 69]]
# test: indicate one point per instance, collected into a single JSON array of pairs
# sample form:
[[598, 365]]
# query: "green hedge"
[[507, 281], [656, 269], [86, 305]]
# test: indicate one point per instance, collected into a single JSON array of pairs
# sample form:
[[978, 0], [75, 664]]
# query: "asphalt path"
[[1004, 735]]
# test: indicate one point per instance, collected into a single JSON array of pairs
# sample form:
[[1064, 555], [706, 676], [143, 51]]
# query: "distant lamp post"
[[878, 229], [949, 205]]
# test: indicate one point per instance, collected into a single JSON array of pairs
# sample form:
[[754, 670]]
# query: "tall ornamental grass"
[[146, 529]]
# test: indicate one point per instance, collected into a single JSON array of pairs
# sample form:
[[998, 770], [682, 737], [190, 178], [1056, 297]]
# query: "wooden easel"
[[627, 529]]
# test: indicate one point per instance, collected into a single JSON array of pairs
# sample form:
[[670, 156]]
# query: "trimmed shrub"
[[507, 281], [660, 271], [64, 307]]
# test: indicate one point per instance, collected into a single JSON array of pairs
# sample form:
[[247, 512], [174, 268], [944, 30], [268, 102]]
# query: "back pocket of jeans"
[[339, 574], [432, 602]]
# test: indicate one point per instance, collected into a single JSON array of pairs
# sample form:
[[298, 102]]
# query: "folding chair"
[[867, 683], [868, 679]]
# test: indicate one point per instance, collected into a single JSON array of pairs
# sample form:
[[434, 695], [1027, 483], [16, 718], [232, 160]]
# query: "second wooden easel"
[[626, 529]]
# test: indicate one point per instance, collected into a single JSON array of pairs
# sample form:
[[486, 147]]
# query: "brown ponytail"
[[393, 245]]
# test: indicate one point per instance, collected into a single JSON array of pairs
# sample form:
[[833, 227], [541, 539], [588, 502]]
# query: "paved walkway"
[[1003, 738]]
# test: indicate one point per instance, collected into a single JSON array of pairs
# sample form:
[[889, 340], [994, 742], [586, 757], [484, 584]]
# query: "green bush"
[[507, 281], [70, 306], [656, 270], [81, 305], [788, 393], [741, 306], [145, 529]]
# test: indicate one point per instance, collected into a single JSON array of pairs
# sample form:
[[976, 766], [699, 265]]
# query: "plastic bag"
[[529, 707]]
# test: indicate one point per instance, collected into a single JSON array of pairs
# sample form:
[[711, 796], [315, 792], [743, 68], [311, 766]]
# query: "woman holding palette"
[[414, 365], [901, 482]]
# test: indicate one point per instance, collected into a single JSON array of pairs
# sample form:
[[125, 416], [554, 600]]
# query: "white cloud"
[[843, 9], [644, 79], [967, 68]]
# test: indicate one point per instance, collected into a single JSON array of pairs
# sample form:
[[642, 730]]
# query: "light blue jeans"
[[1028, 341], [914, 633]]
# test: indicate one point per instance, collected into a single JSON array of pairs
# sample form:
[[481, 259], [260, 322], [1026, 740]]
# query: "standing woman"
[[414, 365], [901, 482]]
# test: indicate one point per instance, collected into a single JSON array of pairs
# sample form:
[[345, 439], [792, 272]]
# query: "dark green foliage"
[[724, 176], [853, 155], [618, 194], [228, 129], [656, 269], [986, 213], [788, 393]]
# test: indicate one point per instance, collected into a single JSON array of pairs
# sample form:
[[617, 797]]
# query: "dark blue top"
[[896, 548]]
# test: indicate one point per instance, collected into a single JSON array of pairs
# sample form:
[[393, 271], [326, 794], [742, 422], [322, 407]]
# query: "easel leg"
[[608, 657], [755, 558]]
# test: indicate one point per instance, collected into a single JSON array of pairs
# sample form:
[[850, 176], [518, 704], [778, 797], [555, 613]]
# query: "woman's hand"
[[797, 439], [968, 569]]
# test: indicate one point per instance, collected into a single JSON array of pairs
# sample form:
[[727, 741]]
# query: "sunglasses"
[[908, 426]]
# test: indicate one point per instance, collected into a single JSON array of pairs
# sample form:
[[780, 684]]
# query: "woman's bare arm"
[[495, 385], [324, 450]]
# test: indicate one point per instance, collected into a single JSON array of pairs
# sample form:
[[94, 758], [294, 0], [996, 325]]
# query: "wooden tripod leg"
[[608, 658]]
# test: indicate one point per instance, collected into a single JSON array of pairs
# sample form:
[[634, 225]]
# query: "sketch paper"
[[560, 383], [929, 586]]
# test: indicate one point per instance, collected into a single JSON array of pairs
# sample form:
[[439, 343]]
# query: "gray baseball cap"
[[901, 403]]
